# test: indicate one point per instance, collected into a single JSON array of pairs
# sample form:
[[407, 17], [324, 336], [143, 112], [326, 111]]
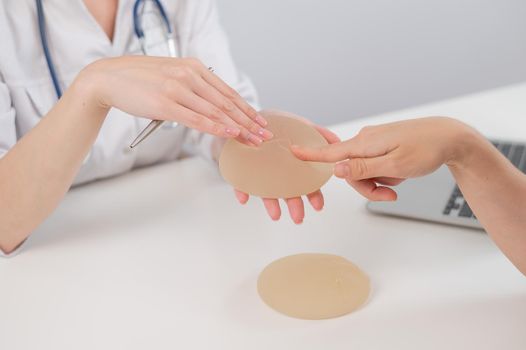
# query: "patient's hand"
[[385, 155], [295, 205]]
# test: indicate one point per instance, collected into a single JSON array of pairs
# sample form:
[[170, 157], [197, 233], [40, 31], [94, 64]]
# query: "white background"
[[335, 60]]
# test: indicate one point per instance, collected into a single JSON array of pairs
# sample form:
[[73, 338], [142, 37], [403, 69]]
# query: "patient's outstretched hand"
[[380, 157]]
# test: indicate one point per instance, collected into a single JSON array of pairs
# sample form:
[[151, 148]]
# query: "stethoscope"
[[138, 11]]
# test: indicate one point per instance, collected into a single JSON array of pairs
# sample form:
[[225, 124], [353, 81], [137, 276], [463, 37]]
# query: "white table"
[[165, 258]]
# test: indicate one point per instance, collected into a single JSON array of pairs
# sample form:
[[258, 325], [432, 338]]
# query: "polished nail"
[[261, 121], [255, 140], [341, 170], [266, 134]]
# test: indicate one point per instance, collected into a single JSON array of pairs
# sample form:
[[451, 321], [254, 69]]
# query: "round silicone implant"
[[271, 170], [313, 286]]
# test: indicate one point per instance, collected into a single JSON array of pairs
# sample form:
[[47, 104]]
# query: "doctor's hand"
[[385, 155], [174, 89], [295, 205]]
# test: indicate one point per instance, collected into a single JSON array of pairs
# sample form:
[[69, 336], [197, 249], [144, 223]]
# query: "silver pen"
[[150, 128], [154, 124]]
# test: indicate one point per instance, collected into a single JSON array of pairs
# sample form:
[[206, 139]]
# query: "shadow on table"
[[483, 322], [125, 204]]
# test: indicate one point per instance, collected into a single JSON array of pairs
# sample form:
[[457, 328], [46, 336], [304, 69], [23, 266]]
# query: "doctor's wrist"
[[87, 88]]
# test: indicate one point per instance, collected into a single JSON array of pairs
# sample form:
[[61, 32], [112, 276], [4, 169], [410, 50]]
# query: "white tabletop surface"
[[165, 258]]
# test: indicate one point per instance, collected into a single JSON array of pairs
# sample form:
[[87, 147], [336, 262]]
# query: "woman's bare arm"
[[496, 192], [39, 169], [36, 173], [382, 156]]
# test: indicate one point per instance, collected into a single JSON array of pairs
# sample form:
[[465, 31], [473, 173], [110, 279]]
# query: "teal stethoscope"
[[138, 10]]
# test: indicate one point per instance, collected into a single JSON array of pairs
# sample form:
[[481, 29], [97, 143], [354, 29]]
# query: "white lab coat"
[[75, 40]]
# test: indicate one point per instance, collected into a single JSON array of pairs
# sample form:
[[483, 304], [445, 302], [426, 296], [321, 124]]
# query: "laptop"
[[437, 198]]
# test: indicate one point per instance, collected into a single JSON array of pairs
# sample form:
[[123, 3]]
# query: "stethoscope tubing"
[[45, 48], [136, 23], [136, 26]]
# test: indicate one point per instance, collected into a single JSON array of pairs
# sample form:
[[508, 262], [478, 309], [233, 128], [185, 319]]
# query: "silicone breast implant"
[[271, 170], [313, 286]]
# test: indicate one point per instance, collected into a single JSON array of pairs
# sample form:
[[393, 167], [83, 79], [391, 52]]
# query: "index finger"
[[329, 154]]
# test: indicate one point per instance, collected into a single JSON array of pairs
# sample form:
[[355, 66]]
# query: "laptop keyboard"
[[458, 206]]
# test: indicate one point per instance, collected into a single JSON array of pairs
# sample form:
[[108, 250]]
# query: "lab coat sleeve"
[[7, 131], [7, 119], [209, 43]]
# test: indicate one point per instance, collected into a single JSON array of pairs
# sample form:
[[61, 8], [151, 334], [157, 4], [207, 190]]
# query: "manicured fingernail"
[[232, 131], [266, 134], [341, 170], [255, 140], [261, 121]]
